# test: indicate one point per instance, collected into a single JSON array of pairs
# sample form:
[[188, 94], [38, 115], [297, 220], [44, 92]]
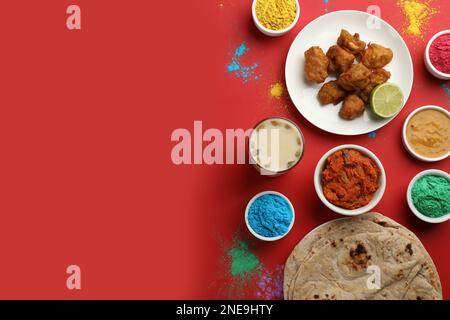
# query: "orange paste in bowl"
[[428, 133], [350, 179]]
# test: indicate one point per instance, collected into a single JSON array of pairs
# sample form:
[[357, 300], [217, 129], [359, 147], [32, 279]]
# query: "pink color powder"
[[440, 53]]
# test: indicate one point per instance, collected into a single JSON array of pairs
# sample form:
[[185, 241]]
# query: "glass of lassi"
[[276, 145]]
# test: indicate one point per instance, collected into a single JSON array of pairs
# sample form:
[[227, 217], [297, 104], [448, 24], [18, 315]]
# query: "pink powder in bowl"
[[439, 53]]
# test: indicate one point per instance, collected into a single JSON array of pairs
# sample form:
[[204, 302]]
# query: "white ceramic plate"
[[324, 32]]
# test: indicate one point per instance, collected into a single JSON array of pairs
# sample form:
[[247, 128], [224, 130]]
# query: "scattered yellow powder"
[[276, 90], [276, 14], [418, 14]]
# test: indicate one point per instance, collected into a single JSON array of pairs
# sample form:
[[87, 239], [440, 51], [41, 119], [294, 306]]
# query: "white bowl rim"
[[405, 140], [253, 232], [409, 198], [427, 54], [346, 212], [275, 32]]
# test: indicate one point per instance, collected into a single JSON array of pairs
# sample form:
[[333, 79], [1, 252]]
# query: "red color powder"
[[440, 53]]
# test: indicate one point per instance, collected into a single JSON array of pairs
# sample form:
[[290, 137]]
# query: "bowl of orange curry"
[[350, 180]]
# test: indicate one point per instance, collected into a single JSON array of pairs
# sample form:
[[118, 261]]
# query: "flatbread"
[[332, 262]]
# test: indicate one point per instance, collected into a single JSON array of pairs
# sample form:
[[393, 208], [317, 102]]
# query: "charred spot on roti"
[[384, 223], [418, 298], [360, 249], [359, 257], [333, 243], [408, 249], [381, 223], [316, 296]]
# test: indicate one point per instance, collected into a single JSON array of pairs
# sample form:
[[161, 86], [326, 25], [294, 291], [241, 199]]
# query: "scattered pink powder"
[[270, 284]]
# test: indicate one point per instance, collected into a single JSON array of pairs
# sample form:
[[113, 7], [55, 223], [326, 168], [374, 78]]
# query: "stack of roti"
[[364, 257]]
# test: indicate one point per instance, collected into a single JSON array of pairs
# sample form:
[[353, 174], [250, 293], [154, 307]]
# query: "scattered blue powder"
[[241, 50], [446, 88], [372, 134], [270, 215], [233, 66], [239, 70]]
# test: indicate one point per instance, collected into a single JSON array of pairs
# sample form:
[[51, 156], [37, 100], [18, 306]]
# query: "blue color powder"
[[372, 134], [270, 215], [241, 50], [239, 70], [446, 88]]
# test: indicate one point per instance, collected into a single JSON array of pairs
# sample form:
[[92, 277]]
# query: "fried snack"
[[352, 107], [331, 92], [357, 77], [377, 77], [350, 179], [340, 59], [316, 65], [351, 43], [376, 56]]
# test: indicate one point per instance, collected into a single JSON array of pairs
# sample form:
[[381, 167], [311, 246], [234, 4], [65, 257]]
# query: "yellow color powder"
[[418, 13], [276, 90], [276, 14]]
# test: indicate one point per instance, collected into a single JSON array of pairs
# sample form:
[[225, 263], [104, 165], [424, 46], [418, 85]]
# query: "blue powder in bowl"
[[270, 215]]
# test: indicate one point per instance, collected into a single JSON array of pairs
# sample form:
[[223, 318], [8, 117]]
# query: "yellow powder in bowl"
[[276, 14]]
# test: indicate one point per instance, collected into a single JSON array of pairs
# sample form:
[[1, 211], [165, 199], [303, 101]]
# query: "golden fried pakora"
[[316, 65], [340, 59], [377, 77], [357, 77], [376, 56], [352, 107], [331, 92], [352, 43]]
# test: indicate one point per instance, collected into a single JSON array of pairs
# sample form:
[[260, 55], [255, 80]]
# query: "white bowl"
[[432, 69], [405, 141], [409, 198], [248, 223], [274, 33], [346, 212], [263, 171]]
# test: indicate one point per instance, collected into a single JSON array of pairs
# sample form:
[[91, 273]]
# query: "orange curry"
[[350, 179]]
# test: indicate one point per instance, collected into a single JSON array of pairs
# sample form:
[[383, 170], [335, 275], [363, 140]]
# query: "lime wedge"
[[386, 100]]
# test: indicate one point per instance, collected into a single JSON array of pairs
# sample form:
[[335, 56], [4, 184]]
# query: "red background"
[[86, 116]]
